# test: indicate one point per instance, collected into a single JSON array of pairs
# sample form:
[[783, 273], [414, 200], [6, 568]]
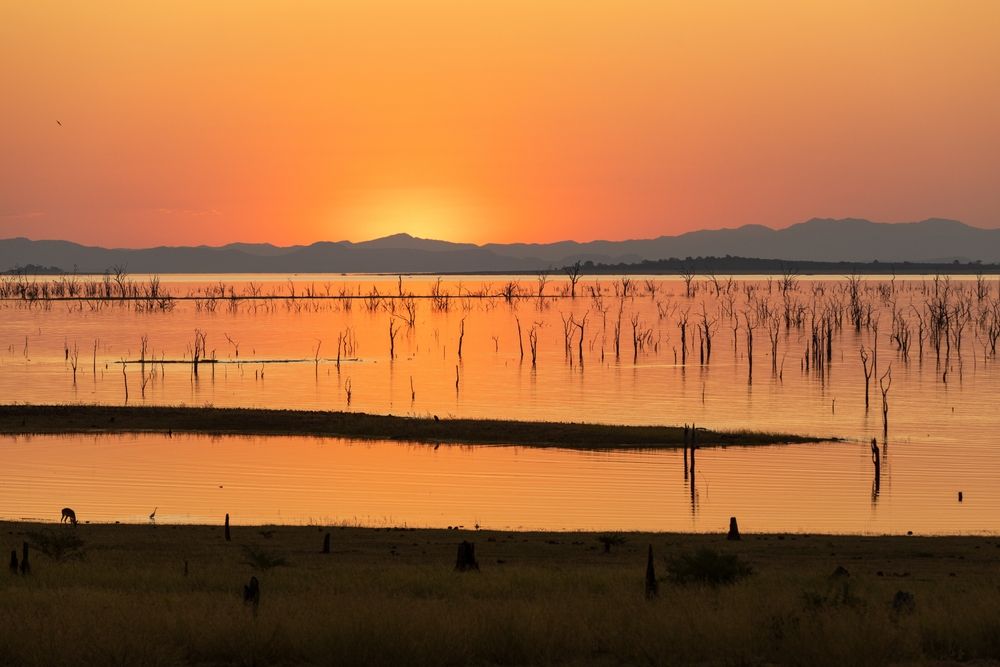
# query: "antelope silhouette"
[[68, 515]]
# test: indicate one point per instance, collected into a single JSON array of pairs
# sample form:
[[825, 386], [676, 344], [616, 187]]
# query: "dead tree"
[[543, 279], [687, 275], [567, 323], [635, 337], [707, 327], [74, 359], [865, 358], [392, 339], [573, 272], [682, 323], [199, 349], [533, 343], [581, 325], [751, 325], [229, 537], [773, 329], [884, 386], [520, 340], [618, 330]]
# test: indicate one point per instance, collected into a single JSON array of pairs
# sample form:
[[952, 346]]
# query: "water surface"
[[274, 350]]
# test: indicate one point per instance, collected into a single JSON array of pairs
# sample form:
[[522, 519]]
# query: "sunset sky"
[[191, 122]]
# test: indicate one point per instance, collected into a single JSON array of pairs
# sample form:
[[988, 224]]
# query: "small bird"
[[152, 515], [59, 123]]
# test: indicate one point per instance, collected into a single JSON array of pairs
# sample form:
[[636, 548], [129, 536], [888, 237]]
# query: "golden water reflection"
[[198, 479]]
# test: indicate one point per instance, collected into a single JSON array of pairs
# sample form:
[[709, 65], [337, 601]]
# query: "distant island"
[[729, 265], [815, 246], [34, 270]]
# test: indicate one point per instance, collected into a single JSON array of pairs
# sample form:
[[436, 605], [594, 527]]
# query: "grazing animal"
[[68, 515]]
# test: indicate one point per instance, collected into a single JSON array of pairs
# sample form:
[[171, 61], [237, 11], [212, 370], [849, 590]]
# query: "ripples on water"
[[941, 433]]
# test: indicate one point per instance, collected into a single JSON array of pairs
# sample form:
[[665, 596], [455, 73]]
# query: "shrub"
[[706, 566], [262, 560], [57, 545]]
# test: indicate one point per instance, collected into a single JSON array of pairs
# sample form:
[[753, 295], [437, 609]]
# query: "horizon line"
[[500, 243]]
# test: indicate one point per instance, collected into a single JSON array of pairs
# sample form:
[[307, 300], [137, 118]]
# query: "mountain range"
[[819, 239]]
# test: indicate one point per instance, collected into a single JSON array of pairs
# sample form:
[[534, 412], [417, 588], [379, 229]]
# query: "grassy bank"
[[25, 419], [391, 596]]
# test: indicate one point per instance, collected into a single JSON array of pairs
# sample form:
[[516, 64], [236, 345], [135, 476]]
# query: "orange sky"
[[190, 122]]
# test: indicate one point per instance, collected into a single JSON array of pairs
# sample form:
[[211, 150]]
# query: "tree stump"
[[326, 543], [228, 536], [734, 530], [652, 586], [13, 561], [466, 559], [25, 563]]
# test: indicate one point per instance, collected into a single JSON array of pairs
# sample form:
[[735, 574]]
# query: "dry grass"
[[391, 596]]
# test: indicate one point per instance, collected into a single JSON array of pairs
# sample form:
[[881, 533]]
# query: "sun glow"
[[424, 213]]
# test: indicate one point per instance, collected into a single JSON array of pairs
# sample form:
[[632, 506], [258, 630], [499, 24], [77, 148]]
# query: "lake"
[[274, 341]]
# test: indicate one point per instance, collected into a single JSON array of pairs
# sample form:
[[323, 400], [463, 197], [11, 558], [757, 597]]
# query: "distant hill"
[[819, 240]]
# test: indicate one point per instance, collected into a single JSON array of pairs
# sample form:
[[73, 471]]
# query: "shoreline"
[[467, 532], [84, 418], [10, 526]]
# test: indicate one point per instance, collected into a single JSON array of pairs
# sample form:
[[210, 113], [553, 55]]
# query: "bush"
[[262, 560], [57, 545], [706, 566], [611, 540]]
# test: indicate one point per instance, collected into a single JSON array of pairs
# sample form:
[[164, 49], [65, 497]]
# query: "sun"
[[421, 212]]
